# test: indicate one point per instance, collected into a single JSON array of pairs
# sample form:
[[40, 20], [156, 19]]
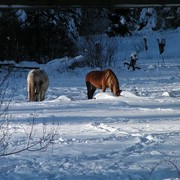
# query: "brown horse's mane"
[[110, 76]]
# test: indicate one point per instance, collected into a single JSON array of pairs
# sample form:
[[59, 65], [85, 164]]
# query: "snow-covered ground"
[[134, 136]]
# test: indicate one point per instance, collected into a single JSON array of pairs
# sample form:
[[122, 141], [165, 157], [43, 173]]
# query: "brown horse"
[[102, 80], [37, 85]]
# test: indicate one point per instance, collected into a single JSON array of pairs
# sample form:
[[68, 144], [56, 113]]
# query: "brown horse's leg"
[[93, 89], [103, 89], [103, 86], [90, 90], [88, 85]]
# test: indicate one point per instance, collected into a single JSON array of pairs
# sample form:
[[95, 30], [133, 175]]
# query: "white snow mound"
[[62, 98], [168, 94], [105, 95], [128, 94]]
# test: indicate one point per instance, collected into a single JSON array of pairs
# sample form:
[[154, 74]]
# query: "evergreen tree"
[[120, 22], [94, 21]]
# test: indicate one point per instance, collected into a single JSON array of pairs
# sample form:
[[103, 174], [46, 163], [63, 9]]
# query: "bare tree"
[[99, 51]]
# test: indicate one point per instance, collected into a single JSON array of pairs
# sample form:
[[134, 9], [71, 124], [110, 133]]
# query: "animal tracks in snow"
[[142, 139], [107, 128]]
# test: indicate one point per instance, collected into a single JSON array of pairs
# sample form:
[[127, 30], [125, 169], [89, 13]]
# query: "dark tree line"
[[38, 34]]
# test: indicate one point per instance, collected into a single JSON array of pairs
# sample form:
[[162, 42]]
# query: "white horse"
[[37, 84]]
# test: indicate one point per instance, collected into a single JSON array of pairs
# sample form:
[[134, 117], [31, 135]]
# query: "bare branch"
[[168, 162]]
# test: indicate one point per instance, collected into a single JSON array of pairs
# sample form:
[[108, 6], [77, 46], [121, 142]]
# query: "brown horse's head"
[[117, 92]]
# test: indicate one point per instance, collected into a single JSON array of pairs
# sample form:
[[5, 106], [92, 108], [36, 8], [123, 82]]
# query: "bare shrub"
[[99, 51], [168, 162], [4, 103], [16, 139]]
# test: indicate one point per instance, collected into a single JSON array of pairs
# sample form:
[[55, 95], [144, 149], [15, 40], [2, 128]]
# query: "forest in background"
[[43, 34]]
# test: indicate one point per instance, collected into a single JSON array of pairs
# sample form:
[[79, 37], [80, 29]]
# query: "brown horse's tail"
[[90, 90]]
